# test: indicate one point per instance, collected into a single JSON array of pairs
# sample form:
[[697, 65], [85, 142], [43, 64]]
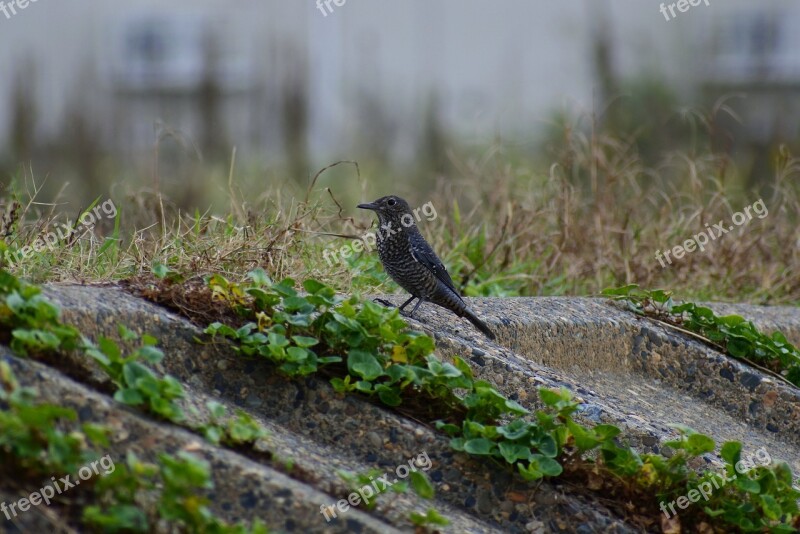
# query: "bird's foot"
[[404, 313]]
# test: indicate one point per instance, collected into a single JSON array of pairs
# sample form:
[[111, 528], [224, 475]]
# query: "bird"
[[411, 262]]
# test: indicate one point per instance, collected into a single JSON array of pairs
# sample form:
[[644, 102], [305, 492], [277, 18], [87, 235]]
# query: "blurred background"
[[573, 105], [97, 91]]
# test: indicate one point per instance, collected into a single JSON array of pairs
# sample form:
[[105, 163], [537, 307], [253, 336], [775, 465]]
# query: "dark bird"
[[412, 263]]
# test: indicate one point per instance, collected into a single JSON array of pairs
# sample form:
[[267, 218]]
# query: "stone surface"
[[627, 370]]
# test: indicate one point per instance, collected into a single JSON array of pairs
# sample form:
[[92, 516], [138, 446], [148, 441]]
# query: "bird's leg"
[[406, 303], [384, 302], [415, 307]]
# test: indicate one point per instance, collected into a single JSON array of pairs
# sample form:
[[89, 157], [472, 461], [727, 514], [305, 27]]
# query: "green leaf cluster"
[[35, 443], [233, 431], [32, 433], [137, 384], [382, 358], [175, 481], [737, 336]]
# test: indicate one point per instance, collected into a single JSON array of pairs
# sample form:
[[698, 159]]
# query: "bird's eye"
[[391, 202]]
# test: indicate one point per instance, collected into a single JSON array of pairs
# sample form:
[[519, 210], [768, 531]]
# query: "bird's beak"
[[371, 206]]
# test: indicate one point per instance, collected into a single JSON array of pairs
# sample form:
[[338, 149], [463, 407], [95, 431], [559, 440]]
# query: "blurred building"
[[754, 52], [278, 77]]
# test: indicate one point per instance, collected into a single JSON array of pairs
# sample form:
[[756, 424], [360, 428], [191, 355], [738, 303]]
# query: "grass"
[[592, 216]]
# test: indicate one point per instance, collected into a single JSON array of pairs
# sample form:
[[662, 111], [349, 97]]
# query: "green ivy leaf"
[[305, 341], [297, 354], [731, 452], [513, 452], [364, 364], [259, 277], [479, 446], [128, 396], [744, 483], [515, 430], [539, 467], [421, 485], [388, 395]]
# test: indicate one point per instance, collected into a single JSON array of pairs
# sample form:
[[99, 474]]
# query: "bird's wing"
[[424, 254]]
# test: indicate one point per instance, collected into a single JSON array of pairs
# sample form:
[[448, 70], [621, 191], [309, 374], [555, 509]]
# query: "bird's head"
[[391, 208]]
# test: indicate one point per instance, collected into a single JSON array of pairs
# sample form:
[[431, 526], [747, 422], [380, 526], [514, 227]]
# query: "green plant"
[[383, 359], [31, 432], [32, 321], [35, 326], [766, 496], [239, 430], [163, 272], [33, 438], [176, 480], [731, 333], [137, 384], [431, 518], [371, 480], [277, 335], [421, 484]]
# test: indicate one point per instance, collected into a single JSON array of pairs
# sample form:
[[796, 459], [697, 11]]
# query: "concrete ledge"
[[626, 370], [322, 432], [630, 369]]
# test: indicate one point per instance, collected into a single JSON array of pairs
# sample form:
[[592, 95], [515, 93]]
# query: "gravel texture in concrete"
[[627, 370]]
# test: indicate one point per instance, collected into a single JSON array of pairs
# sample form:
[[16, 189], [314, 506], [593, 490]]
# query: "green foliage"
[[110, 246], [737, 336], [280, 333], [163, 272], [33, 442], [177, 480], [472, 265], [763, 496], [371, 479], [753, 496], [36, 327], [383, 359], [379, 485], [31, 434], [422, 485], [137, 384], [33, 321], [367, 270], [431, 518], [239, 430]]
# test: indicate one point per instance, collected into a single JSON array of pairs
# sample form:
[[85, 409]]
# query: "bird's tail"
[[480, 325]]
